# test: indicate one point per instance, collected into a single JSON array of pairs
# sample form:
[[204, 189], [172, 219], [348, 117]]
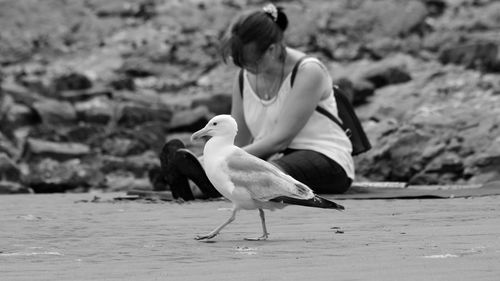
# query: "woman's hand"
[[244, 136]]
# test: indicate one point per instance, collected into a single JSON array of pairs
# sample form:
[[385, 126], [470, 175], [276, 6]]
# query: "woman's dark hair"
[[257, 27]]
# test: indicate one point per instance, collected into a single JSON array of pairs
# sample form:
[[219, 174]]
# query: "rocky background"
[[90, 90]]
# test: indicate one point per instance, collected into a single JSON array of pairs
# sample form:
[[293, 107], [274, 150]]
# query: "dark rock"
[[144, 10], [122, 146], [367, 75], [138, 165], [165, 84], [362, 91], [435, 7], [8, 147], [152, 134], [46, 132], [140, 67], [447, 163], [83, 95], [190, 120], [476, 55], [8, 169], [386, 74], [357, 91], [14, 115], [123, 142], [84, 133], [485, 166], [488, 161], [157, 179], [20, 115], [134, 114], [122, 82], [71, 81], [112, 163], [216, 104], [48, 176]]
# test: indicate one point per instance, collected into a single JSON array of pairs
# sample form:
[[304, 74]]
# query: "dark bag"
[[350, 123]]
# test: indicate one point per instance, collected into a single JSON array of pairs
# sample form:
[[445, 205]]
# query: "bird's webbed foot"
[[261, 238], [205, 237]]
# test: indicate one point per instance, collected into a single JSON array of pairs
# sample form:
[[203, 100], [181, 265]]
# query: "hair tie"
[[271, 11]]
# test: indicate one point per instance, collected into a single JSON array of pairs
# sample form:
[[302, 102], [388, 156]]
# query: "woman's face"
[[253, 61]]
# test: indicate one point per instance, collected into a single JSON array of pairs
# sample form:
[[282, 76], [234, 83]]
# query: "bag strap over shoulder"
[[240, 81], [318, 108], [334, 119], [296, 68]]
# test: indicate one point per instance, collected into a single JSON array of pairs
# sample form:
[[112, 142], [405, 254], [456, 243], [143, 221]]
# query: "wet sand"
[[51, 237]]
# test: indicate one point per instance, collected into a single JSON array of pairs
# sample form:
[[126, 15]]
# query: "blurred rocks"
[[477, 55], [55, 113], [139, 165], [190, 120], [48, 176], [71, 81], [36, 148], [7, 187], [90, 91], [96, 110], [442, 130], [9, 171]]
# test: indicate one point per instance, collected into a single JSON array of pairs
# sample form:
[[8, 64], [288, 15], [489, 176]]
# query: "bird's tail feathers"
[[316, 202]]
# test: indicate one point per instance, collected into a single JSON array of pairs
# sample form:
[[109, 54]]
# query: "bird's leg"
[[265, 234], [216, 231]]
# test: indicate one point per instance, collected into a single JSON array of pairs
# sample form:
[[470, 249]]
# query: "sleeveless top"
[[319, 134]]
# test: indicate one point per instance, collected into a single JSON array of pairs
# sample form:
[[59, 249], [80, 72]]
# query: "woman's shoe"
[[188, 164], [179, 185]]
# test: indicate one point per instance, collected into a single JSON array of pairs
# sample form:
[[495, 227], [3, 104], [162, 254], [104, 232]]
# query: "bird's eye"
[[214, 123]]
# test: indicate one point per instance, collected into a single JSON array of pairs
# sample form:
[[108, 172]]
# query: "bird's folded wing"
[[261, 179]]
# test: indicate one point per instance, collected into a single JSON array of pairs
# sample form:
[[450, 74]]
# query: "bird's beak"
[[201, 134]]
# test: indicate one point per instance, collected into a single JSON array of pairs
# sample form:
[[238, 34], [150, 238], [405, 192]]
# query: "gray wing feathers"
[[263, 180]]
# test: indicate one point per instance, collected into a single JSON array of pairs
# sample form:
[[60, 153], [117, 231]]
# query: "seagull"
[[249, 182]]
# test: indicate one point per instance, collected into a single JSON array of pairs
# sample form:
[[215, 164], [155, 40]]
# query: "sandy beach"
[[68, 237]]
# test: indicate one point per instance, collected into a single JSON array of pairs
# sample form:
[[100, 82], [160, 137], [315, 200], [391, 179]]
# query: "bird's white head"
[[220, 125]]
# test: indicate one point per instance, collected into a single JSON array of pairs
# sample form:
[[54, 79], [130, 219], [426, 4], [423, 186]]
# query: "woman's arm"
[[306, 93], [244, 137]]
